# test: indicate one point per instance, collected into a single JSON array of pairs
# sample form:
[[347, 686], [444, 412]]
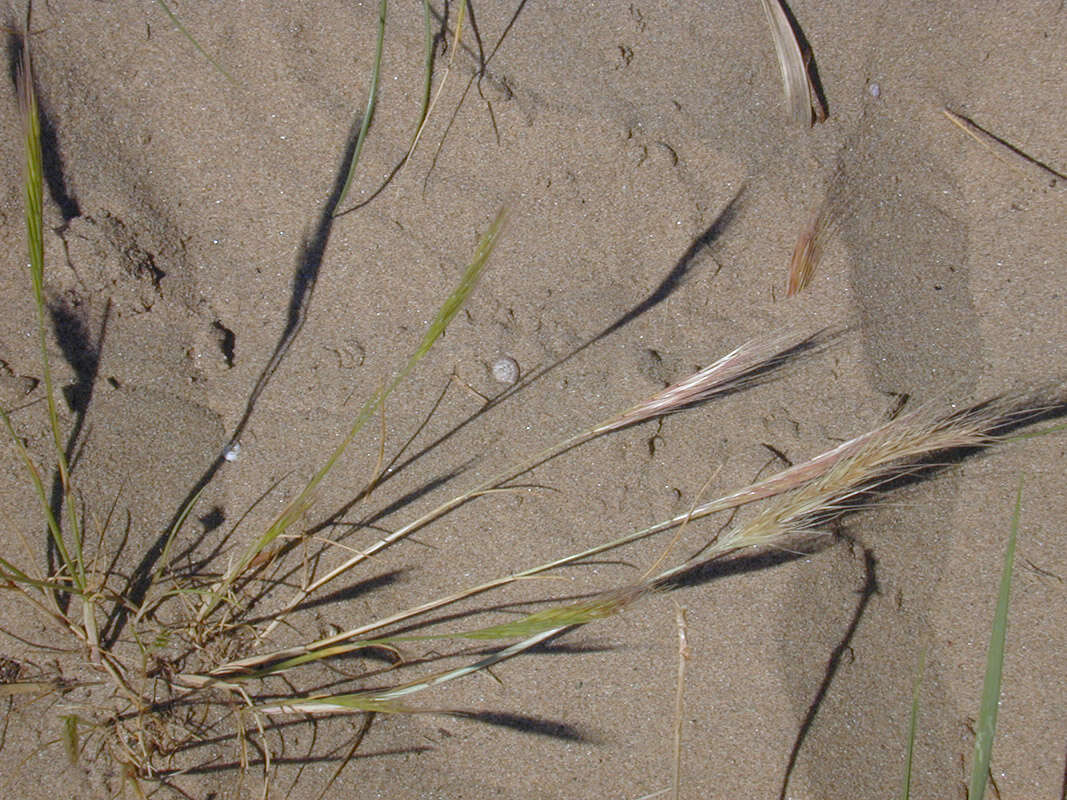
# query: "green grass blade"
[[40, 491], [427, 73], [385, 700], [459, 296], [70, 737], [33, 184], [987, 717], [913, 727], [368, 114], [427, 78], [185, 32], [11, 575], [365, 702]]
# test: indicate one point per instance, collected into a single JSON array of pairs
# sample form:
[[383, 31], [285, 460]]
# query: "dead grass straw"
[[801, 97], [1025, 164]]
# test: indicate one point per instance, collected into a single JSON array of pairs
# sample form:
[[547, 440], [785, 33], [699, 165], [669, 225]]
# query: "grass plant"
[[986, 726], [194, 660]]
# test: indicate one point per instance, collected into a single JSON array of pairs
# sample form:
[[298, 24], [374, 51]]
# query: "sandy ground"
[[656, 191]]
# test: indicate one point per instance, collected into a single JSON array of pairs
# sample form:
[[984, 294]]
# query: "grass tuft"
[[194, 661]]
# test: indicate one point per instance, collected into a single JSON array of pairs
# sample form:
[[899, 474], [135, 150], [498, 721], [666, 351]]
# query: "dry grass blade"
[[800, 95], [824, 223], [679, 699], [1009, 154], [806, 255], [808, 251]]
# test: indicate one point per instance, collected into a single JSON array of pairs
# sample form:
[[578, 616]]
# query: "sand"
[[656, 190]]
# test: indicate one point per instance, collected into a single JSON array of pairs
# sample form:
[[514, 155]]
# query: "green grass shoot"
[[913, 727], [986, 728], [368, 114], [192, 40], [33, 183]]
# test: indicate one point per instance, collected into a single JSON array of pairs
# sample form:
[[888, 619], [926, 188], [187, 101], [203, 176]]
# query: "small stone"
[[505, 370]]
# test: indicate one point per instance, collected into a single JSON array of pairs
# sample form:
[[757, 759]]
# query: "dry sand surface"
[[656, 190]]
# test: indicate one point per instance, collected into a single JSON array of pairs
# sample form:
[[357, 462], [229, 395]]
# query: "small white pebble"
[[232, 451], [505, 370], [874, 89]]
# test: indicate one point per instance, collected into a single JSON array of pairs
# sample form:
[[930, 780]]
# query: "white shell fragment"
[[505, 370], [231, 451]]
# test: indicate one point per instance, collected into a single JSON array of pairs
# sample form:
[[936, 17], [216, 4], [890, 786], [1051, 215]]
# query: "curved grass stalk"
[[428, 105]]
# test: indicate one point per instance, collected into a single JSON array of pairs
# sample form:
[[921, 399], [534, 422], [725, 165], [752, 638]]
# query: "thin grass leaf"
[[385, 699], [321, 654], [368, 114], [42, 495], [27, 687], [364, 702], [913, 727], [427, 77], [684, 655], [444, 79], [1029, 166], [987, 717], [13, 575], [368, 720], [192, 40]]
